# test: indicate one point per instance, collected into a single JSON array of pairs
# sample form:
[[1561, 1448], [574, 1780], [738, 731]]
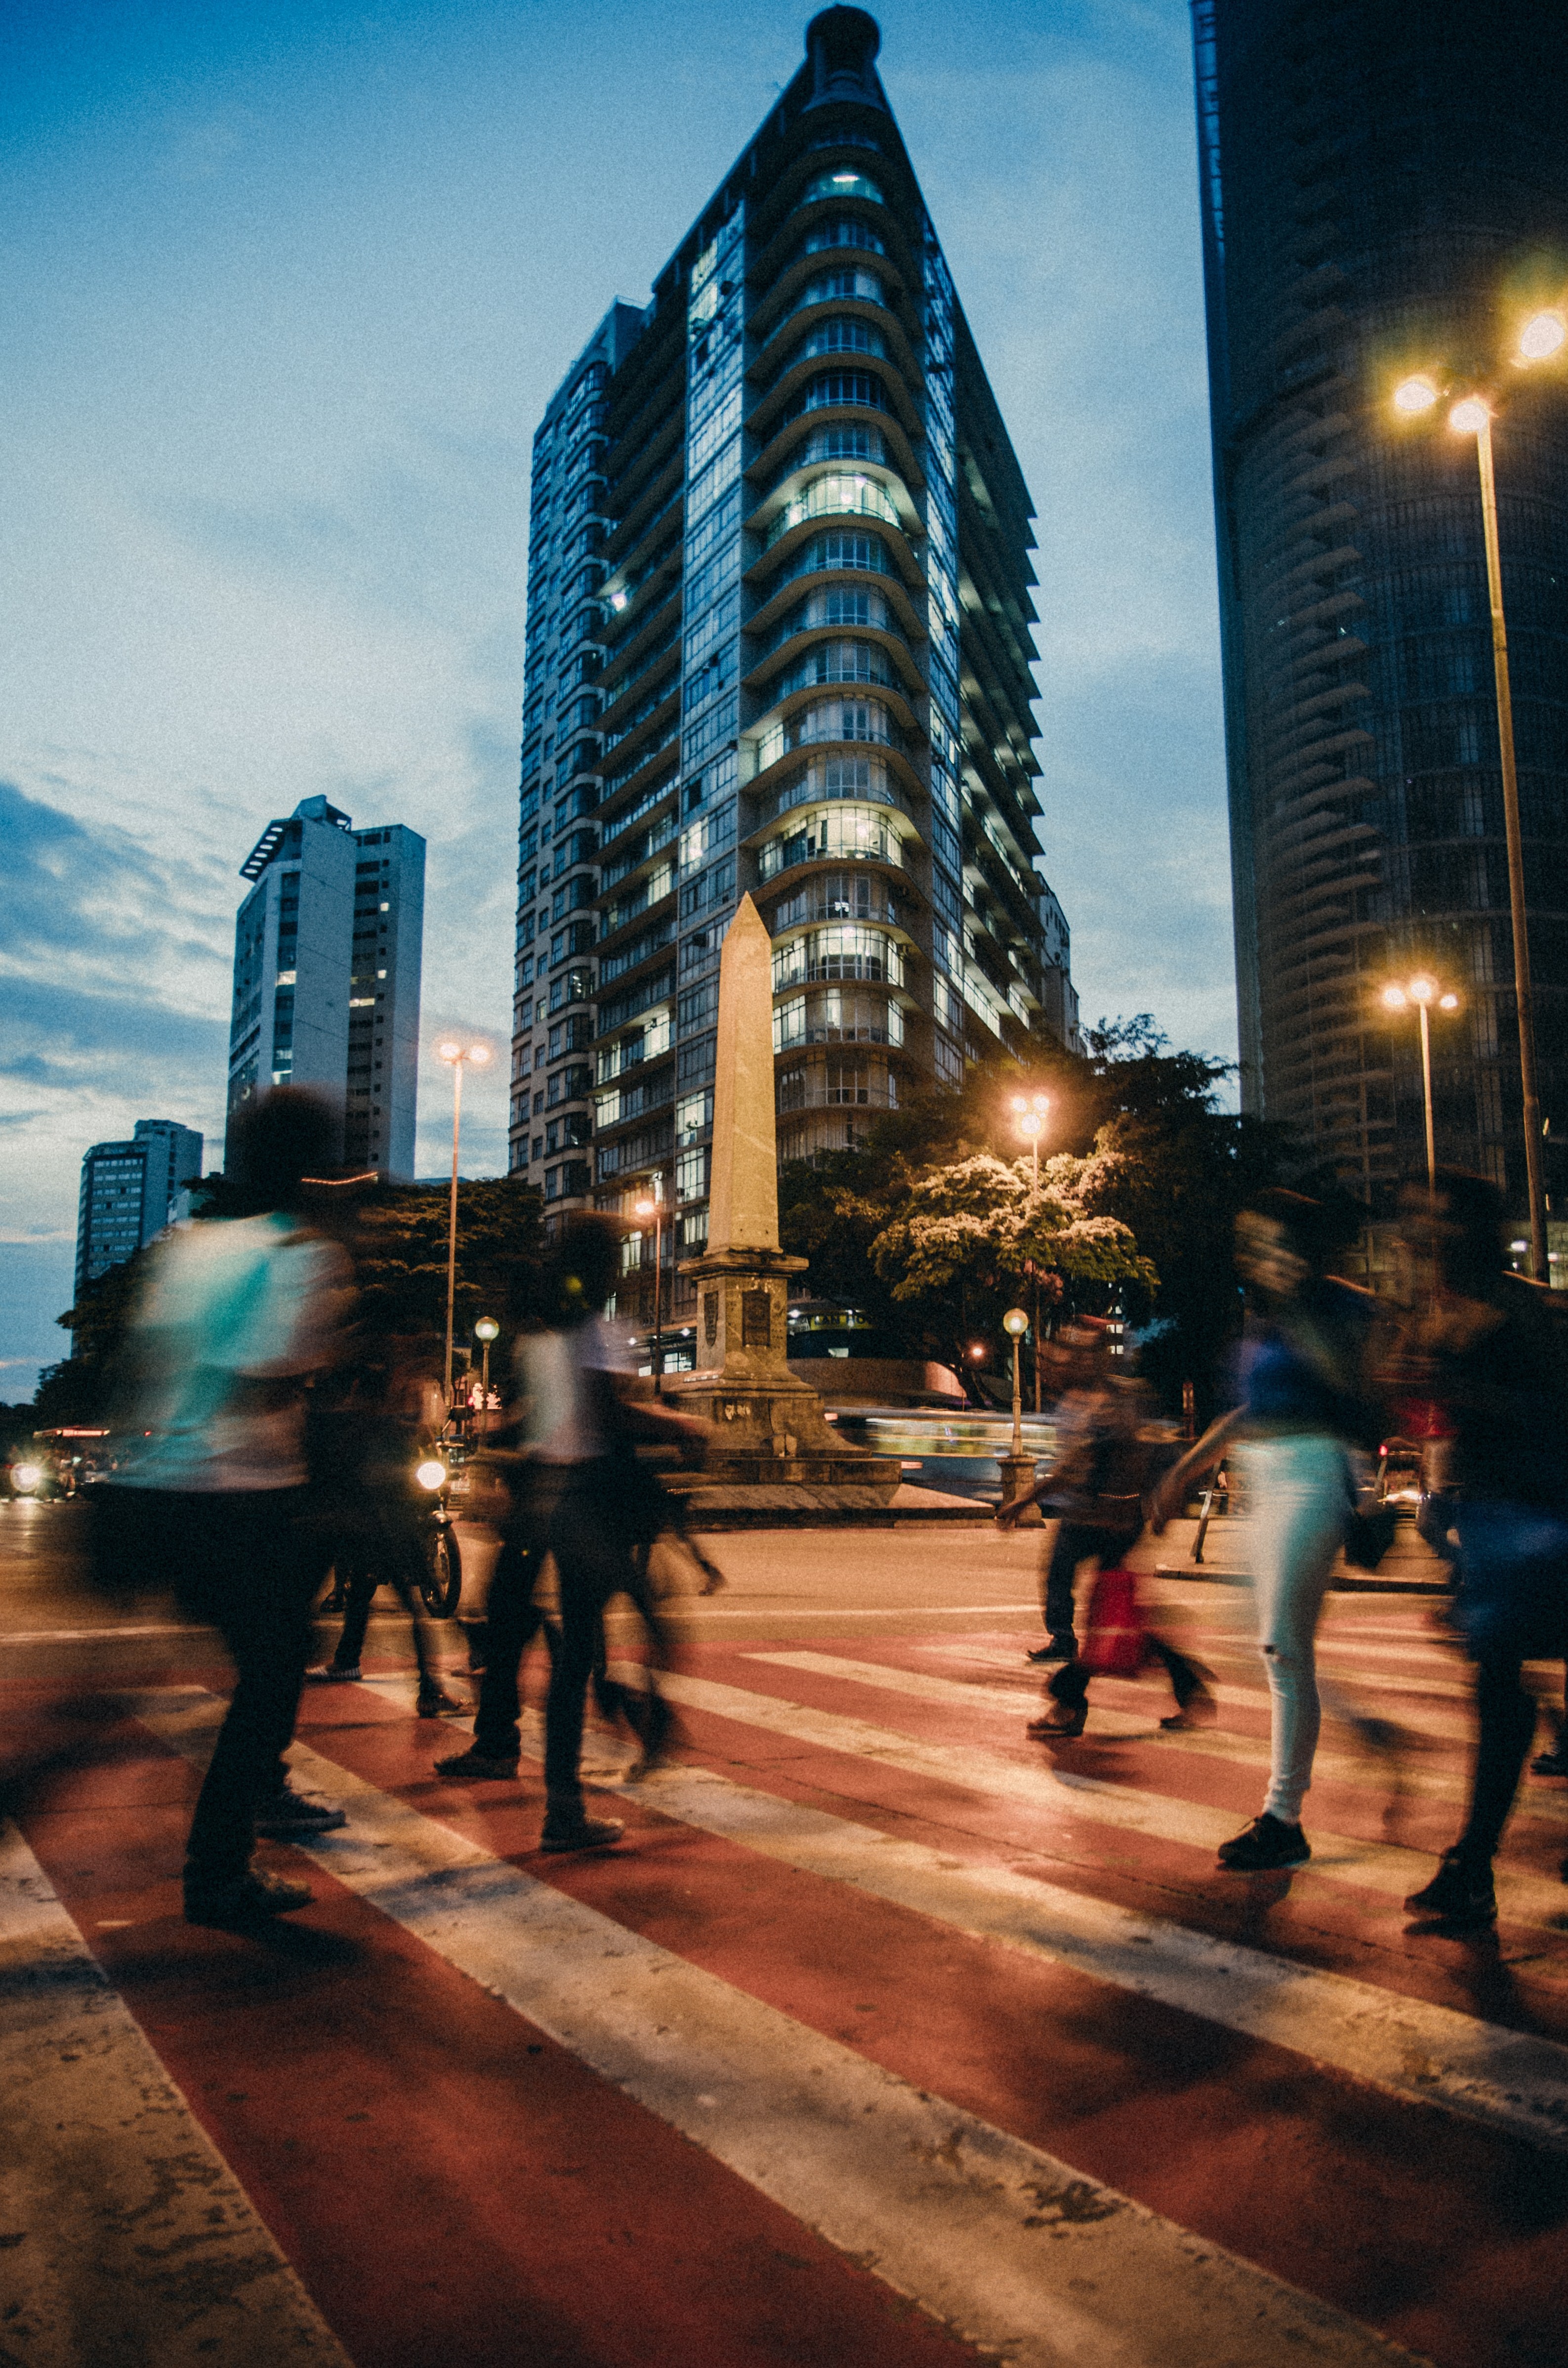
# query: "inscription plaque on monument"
[[756, 1319], [711, 1316]]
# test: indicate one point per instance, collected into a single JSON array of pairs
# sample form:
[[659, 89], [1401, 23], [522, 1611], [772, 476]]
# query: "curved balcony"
[[865, 516], [830, 780], [862, 896], [827, 663], [847, 184], [844, 950], [836, 556], [840, 833], [866, 722], [831, 1015]]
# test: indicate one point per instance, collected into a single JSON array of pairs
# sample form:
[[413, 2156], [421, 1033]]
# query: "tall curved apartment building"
[[1385, 189], [779, 641]]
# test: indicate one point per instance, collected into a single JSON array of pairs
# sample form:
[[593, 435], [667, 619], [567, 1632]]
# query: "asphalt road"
[[888, 2035]]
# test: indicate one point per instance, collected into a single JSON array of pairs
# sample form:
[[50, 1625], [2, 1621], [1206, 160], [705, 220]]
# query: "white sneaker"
[[328, 1674]]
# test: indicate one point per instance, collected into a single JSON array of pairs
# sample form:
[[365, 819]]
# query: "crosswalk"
[[954, 2010]]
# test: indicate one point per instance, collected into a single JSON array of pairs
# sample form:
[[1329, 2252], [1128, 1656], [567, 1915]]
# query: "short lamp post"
[[458, 1056], [651, 1205], [1017, 1469], [1542, 339], [485, 1331], [1424, 992]]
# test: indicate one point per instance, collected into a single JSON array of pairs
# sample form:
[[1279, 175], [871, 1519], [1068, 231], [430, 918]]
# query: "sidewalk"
[[1409, 1567]]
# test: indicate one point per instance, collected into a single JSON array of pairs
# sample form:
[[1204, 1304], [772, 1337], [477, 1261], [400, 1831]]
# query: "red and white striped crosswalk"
[[888, 2035]]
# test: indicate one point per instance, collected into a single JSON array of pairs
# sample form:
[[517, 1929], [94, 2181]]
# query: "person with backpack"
[[235, 1317], [583, 1496], [1306, 1397]]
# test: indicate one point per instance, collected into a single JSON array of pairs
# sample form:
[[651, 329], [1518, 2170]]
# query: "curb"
[[1341, 1584]]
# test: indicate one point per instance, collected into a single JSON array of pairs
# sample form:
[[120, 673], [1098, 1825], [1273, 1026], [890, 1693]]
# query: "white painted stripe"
[[97, 1635], [1504, 2078], [1374, 1866], [1107, 1719], [1507, 2079], [136, 2240], [998, 2240]]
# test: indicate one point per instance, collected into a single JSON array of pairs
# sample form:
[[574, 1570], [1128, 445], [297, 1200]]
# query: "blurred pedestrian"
[[1498, 1360], [233, 1319], [364, 1446], [1094, 1480], [583, 1498], [1304, 1371]]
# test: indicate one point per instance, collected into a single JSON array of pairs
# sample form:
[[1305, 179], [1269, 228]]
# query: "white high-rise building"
[[130, 1191], [327, 952]]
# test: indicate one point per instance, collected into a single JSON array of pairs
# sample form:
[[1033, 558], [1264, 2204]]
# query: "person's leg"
[[592, 1565], [1505, 1713], [262, 1576], [513, 1621], [1072, 1546], [359, 1590], [1295, 1502]]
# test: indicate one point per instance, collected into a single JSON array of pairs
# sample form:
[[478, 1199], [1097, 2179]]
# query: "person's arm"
[[1171, 1494]]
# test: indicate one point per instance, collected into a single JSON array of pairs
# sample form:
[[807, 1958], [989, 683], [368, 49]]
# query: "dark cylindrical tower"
[[1384, 190]]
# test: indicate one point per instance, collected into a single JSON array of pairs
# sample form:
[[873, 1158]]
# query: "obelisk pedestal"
[[771, 1432]]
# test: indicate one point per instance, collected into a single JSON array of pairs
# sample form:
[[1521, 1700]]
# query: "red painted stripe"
[[1244, 2143], [449, 2184]]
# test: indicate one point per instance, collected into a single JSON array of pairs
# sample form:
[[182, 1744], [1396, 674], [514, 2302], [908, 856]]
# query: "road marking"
[[796, 1607], [1107, 1721], [1002, 2243], [1381, 1867], [1507, 2079], [97, 1635], [136, 2240]]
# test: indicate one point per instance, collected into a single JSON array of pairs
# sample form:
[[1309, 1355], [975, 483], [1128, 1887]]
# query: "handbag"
[[1116, 1633]]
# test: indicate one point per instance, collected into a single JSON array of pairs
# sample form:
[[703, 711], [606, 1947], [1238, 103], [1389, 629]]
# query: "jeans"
[[1296, 1499], [593, 1561], [250, 1564], [1077, 1542], [512, 1620], [1514, 1602]]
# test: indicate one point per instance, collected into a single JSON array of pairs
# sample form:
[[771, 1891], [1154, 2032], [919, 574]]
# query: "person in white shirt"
[[583, 1498]]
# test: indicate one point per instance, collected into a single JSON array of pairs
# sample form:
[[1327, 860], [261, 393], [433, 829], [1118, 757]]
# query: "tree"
[[397, 1237]]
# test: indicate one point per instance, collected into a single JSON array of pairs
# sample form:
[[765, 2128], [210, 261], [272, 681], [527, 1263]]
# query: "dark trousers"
[[1075, 1543], [382, 1550], [1513, 1600], [594, 1560], [249, 1564], [512, 1620], [1071, 1683], [1505, 1716]]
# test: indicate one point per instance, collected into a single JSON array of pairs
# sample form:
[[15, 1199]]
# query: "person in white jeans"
[[1301, 1371]]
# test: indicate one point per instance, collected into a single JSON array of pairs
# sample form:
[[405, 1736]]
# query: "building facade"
[[778, 640], [130, 1191], [1383, 192], [327, 951]]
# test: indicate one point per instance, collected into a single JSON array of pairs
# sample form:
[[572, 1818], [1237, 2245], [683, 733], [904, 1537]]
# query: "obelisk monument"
[[769, 1424]]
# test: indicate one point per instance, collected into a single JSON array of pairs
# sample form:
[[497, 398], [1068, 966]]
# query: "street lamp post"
[[653, 1206], [1030, 1110], [458, 1056], [1017, 1470], [1539, 339], [486, 1330], [1423, 991]]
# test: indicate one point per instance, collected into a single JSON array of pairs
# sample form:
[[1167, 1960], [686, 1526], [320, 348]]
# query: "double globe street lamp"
[[1542, 338]]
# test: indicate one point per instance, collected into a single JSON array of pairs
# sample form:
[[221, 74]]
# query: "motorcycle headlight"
[[430, 1474], [27, 1475]]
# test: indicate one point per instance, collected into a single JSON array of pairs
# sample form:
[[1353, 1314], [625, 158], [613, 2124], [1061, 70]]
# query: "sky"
[[287, 287]]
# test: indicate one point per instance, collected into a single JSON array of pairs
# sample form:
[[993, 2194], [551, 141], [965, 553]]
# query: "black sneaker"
[[435, 1703], [1460, 1895], [1550, 1763], [473, 1764], [249, 1899], [1269, 1843], [581, 1834], [1056, 1648], [290, 1815]]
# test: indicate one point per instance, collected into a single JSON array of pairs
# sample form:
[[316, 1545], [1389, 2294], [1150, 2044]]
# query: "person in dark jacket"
[[1496, 1352]]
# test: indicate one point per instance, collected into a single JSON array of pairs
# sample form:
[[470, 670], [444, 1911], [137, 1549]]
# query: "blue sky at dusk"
[[288, 287]]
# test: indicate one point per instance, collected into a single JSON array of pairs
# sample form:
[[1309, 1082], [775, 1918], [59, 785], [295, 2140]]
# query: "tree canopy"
[[935, 1228]]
